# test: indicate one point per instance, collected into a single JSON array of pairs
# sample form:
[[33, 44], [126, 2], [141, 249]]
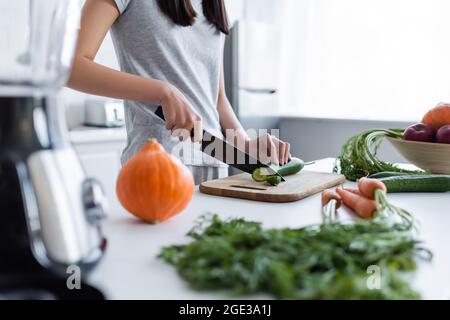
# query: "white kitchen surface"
[[85, 135], [131, 270]]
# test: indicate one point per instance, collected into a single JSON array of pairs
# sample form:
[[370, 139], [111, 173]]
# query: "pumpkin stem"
[[152, 140]]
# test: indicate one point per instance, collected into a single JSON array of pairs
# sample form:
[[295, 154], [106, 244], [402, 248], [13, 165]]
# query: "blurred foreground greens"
[[328, 261]]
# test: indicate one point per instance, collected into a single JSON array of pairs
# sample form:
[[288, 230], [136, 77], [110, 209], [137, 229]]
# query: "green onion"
[[358, 157]]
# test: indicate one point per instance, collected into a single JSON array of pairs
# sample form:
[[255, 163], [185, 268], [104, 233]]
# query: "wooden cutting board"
[[297, 187]]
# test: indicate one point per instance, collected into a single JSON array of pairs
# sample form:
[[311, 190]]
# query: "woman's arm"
[[228, 119], [269, 148], [90, 77]]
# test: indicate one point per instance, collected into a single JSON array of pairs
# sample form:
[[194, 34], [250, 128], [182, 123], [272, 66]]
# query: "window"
[[363, 59]]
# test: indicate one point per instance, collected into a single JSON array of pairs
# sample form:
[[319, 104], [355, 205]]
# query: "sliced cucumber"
[[260, 174], [273, 180], [293, 167]]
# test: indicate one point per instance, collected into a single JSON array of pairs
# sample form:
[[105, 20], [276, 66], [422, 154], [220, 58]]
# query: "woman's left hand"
[[269, 149]]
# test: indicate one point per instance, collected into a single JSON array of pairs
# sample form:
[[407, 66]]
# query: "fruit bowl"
[[431, 157]]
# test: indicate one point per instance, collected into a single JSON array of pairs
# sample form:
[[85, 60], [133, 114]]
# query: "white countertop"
[[131, 270], [82, 135]]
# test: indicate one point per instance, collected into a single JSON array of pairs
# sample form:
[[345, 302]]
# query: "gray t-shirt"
[[149, 44]]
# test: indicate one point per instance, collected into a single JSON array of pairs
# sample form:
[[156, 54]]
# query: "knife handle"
[[159, 112]]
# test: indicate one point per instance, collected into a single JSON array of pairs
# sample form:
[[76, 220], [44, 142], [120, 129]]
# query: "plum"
[[420, 132], [443, 135]]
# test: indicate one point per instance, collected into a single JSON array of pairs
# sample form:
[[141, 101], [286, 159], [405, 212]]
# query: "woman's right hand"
[[181, 118]]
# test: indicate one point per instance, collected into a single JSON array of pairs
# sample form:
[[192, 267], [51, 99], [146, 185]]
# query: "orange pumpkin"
[[153, 185], [438, 116]]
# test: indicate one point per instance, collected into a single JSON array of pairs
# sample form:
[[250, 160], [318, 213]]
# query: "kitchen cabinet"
[[99, 151], [131, 269]]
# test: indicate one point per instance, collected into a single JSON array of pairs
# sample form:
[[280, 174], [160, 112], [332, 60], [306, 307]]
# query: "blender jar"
[[37, 41]]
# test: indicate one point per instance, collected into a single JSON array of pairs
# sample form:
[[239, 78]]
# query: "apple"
[[420, 132], [443, 135]]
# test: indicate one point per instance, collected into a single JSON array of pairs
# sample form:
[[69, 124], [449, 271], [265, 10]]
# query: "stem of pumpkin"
[[152, 140]]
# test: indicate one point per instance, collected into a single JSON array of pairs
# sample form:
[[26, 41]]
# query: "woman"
[[170, 53]]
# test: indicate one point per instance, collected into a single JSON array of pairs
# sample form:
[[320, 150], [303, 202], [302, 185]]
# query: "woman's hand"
[[181, 119], [269, 149]]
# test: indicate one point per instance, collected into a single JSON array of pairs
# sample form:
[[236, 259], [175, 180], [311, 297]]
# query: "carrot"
[[354, 191], [369, 186], [329, 195], [363, 207]]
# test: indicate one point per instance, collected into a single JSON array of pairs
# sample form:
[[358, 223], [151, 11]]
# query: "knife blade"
[[227, 153]]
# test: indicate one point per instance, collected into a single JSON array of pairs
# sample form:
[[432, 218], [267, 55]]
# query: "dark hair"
[[183, 13]]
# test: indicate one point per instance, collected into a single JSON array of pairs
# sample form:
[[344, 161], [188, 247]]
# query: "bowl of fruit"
[[427, 144]]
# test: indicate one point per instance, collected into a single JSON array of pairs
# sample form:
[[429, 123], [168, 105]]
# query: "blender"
[[50, 212]]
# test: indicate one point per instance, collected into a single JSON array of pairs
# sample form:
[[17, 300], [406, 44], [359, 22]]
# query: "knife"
[[239, 159]]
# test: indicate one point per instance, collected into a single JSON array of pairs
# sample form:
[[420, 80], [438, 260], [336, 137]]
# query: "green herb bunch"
[[328, 261], [358, 157]]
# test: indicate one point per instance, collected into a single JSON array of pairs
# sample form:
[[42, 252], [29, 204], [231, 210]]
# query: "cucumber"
[[293, 167], [388, 174], [273, 180], [417, 183]]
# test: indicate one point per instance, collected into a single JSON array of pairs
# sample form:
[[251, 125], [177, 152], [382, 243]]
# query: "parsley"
[[328, 261]]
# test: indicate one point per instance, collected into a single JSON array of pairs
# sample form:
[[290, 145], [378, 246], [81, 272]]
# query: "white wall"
[[313, 139], [13, 37], [366, 59]]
